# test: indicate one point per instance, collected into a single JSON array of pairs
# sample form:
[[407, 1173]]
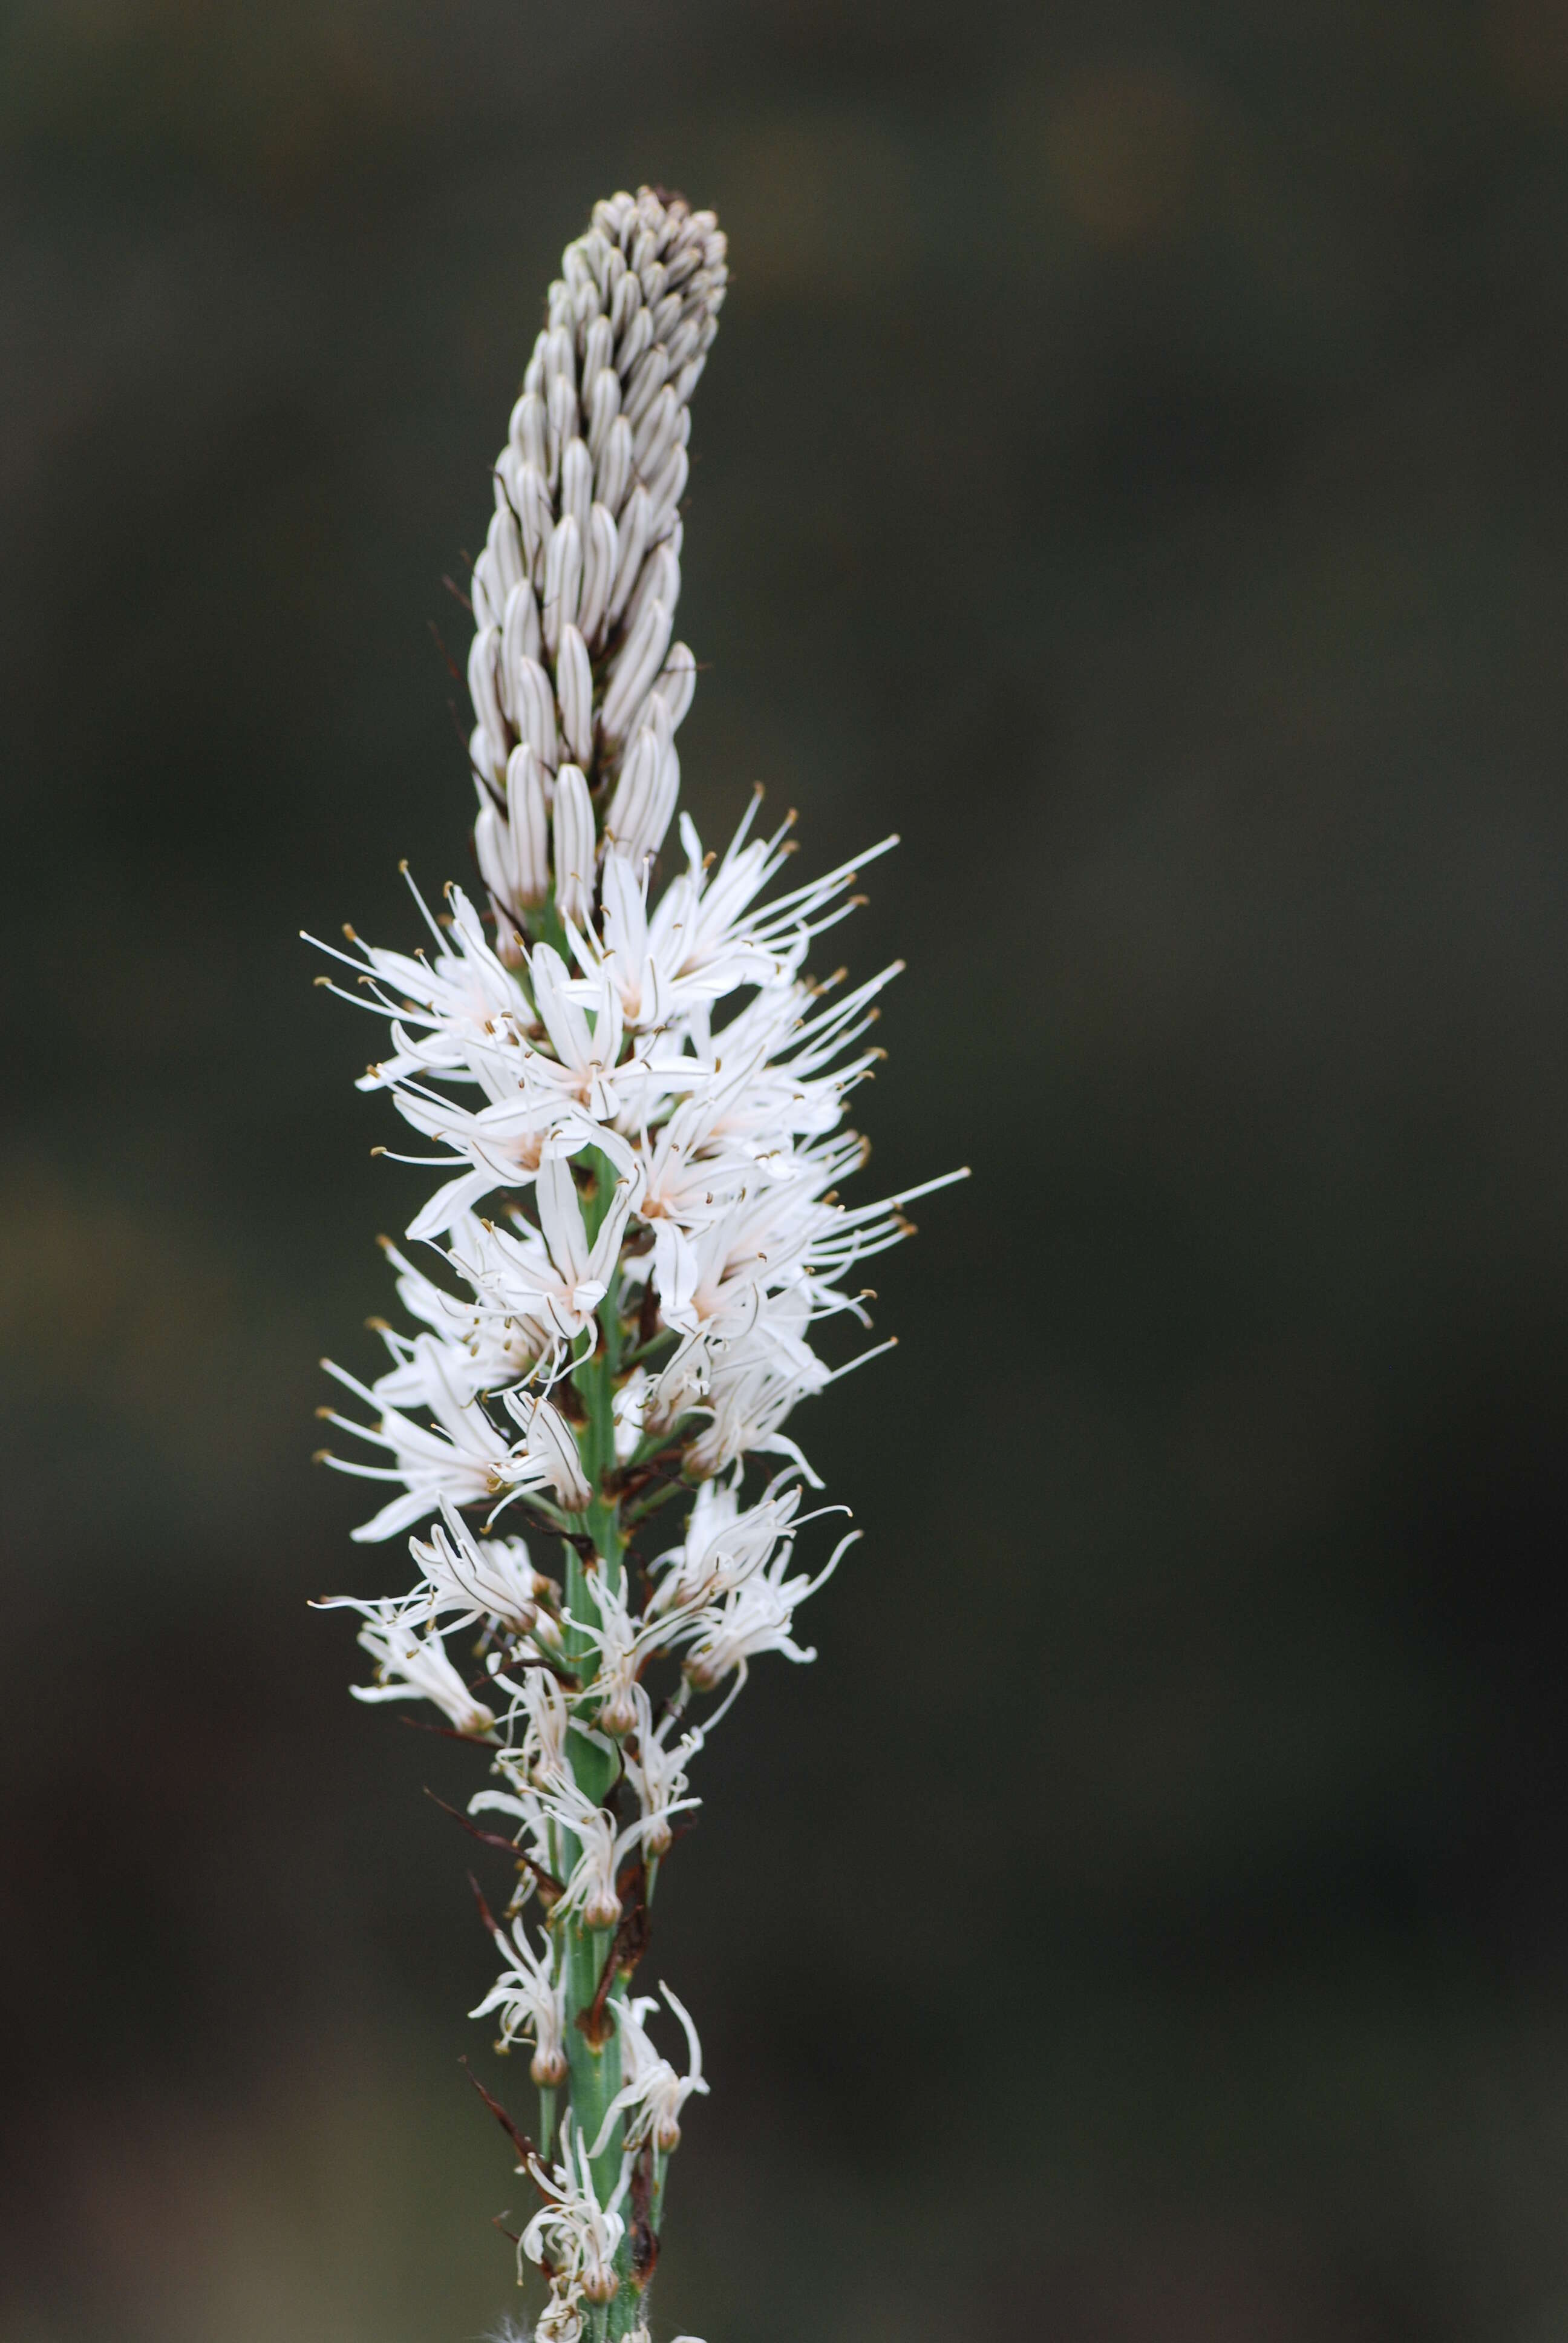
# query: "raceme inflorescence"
[[638, 1095]]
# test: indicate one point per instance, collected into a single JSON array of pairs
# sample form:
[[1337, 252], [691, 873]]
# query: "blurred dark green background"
[[1132, 465]]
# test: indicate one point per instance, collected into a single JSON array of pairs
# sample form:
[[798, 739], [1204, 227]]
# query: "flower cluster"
[[638, 1094]]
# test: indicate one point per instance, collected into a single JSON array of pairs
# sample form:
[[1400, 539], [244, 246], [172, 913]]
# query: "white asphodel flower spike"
[[634, 1260]]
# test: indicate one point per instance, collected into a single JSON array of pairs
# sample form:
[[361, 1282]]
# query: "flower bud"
[[602, 1909], [619, 1715], [600, 2284], [548, 2069]]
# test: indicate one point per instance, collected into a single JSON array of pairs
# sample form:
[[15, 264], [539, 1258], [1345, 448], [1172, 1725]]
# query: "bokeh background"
[[1133, 466]]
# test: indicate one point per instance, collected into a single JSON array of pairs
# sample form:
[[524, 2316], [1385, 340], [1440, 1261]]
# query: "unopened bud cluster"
[[576, 686], [610, 1299]]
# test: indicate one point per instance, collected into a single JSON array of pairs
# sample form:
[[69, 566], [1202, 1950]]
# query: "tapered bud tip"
[[548, 2069]]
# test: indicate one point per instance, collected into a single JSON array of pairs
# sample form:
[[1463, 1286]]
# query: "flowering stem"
[[674, 1230]]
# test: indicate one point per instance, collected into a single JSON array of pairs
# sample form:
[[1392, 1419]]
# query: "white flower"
[[590, 1892], [550, 1277], [530, 1994], [572, 2230], [723, 1544], [622, 1645], [587, 1053], [500, 1145], [540, 1758], [464, 1002], [478, 1577], [412, 1666], [463, 1459], [751, 1389], [547, 1455], [654, 2094], [758, 1616], [480, 1352], [560, 2320], [657, 1772]]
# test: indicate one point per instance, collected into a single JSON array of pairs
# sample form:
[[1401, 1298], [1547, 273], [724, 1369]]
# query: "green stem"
[[595, 2067]]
